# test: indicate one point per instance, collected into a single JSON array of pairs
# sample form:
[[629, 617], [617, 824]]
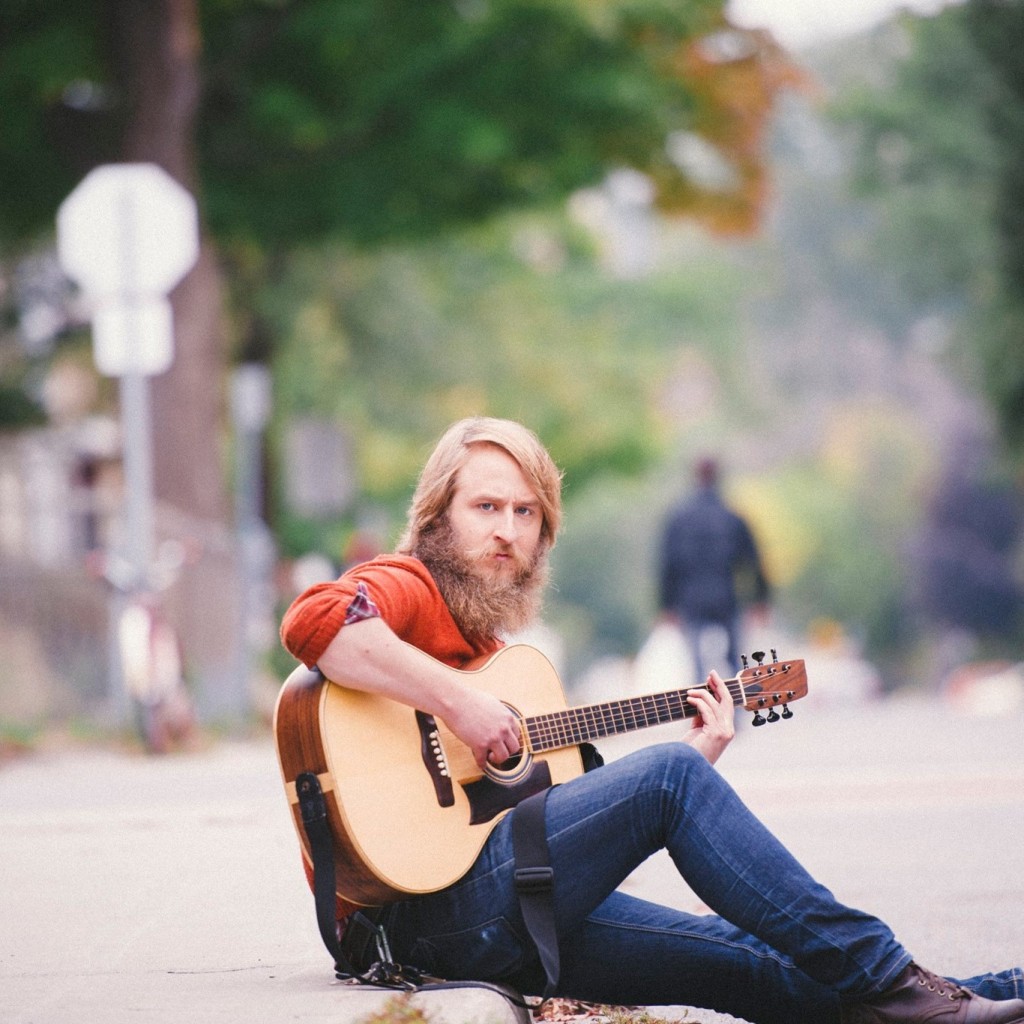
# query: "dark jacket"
[[706, 547]]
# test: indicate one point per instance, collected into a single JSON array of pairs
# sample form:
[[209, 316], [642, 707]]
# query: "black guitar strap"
[[535, 882], [383, 972], [535, 877], [313, 809]]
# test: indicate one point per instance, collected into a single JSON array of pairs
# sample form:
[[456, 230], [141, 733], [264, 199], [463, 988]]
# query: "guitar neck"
[[592, 721]]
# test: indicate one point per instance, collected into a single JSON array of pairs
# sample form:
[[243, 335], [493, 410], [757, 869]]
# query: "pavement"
[[140, 890]]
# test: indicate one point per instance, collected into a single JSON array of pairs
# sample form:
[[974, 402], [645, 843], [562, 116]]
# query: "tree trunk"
[[156, 47]]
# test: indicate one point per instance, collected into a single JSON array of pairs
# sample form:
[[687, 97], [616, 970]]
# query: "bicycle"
[[147, 650]]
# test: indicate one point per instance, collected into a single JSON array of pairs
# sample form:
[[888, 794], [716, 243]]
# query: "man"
[[778, 948], [705, 547]]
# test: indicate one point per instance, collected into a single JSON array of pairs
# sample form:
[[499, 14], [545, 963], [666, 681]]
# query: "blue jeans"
[[694, 631], [778, 949]]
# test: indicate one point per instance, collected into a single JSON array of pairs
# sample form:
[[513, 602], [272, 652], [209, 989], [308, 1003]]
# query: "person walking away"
[[707, 552]]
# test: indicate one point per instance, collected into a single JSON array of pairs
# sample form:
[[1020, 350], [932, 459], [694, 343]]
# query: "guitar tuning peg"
[[743, 658], [758, 656], [759, 719], [773, 716], [786, 713], [775, 656]]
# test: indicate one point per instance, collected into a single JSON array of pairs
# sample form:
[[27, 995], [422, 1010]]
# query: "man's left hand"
[[714, 727]]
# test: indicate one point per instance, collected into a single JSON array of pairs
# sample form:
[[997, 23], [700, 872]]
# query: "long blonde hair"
[[436, 484]]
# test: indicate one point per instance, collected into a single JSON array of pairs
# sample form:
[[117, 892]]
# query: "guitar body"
[[409, 809]]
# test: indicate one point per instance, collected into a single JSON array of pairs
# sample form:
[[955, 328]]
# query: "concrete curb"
[[462, 1005]]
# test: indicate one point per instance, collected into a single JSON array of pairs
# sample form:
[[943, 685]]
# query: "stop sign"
[[127, 230], [127, 235]]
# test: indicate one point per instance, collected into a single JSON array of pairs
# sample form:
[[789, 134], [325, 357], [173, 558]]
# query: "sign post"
[[127, 234]]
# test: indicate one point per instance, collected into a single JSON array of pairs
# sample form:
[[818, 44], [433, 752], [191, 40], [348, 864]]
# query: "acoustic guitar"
[[409, 808]]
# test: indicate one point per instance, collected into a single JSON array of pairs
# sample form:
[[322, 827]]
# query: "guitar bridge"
[[434, 759]]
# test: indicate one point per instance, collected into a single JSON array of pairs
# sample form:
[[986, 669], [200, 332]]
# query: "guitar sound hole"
[[511, 764]]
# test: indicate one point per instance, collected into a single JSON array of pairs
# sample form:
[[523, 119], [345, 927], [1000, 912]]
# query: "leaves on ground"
[[563, 1011]]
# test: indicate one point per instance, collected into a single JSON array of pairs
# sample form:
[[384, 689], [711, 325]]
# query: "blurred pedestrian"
[[707, 549]]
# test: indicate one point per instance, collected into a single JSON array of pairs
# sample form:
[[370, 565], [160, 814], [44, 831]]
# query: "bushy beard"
[[483, 606]]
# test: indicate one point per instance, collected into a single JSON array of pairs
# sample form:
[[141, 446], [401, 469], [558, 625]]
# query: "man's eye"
[[524, 510]]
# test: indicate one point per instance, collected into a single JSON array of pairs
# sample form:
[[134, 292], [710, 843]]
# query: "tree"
[[941, 156], [923, 162], [996, 26], [968, 571]]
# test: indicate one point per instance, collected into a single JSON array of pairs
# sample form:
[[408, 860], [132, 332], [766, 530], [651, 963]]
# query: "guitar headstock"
[[767, 686]]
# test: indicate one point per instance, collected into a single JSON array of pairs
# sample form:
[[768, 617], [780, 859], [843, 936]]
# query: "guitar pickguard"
[[488, 797]]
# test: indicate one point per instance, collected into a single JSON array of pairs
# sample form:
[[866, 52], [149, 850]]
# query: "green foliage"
[[17, 409], [940, 151], [858, 583], [923, 160], [1003, 366], [55, 125], [373, 120], [516, 318], [365, 119], [604, 568], [328, 125], [996, 29]]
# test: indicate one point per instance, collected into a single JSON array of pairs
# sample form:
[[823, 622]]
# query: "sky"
[[797, 23]]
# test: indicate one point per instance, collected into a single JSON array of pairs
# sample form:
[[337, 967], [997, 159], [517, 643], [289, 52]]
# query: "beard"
[[483, 606]]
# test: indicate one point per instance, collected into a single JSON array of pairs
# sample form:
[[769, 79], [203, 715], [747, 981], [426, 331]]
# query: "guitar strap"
[[535, 877], [535, 882], [313, 809], [383, 972]]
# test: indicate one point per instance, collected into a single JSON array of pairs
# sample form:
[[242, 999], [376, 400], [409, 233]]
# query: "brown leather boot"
[[918, 996]]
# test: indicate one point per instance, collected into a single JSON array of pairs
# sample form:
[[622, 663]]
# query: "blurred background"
[[652, 230]]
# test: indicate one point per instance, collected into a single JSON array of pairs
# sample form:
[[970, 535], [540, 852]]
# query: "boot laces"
[[941, 986]]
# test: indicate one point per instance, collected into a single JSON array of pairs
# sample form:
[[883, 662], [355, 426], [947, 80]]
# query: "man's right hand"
[[486, 725]]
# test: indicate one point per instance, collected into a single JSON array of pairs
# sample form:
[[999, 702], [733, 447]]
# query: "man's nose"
[[506, 527]]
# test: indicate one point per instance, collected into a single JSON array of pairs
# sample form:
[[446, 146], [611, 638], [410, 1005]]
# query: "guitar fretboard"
[[592, 721]]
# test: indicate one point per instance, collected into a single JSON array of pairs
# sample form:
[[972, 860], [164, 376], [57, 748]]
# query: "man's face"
[[495, 516]]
